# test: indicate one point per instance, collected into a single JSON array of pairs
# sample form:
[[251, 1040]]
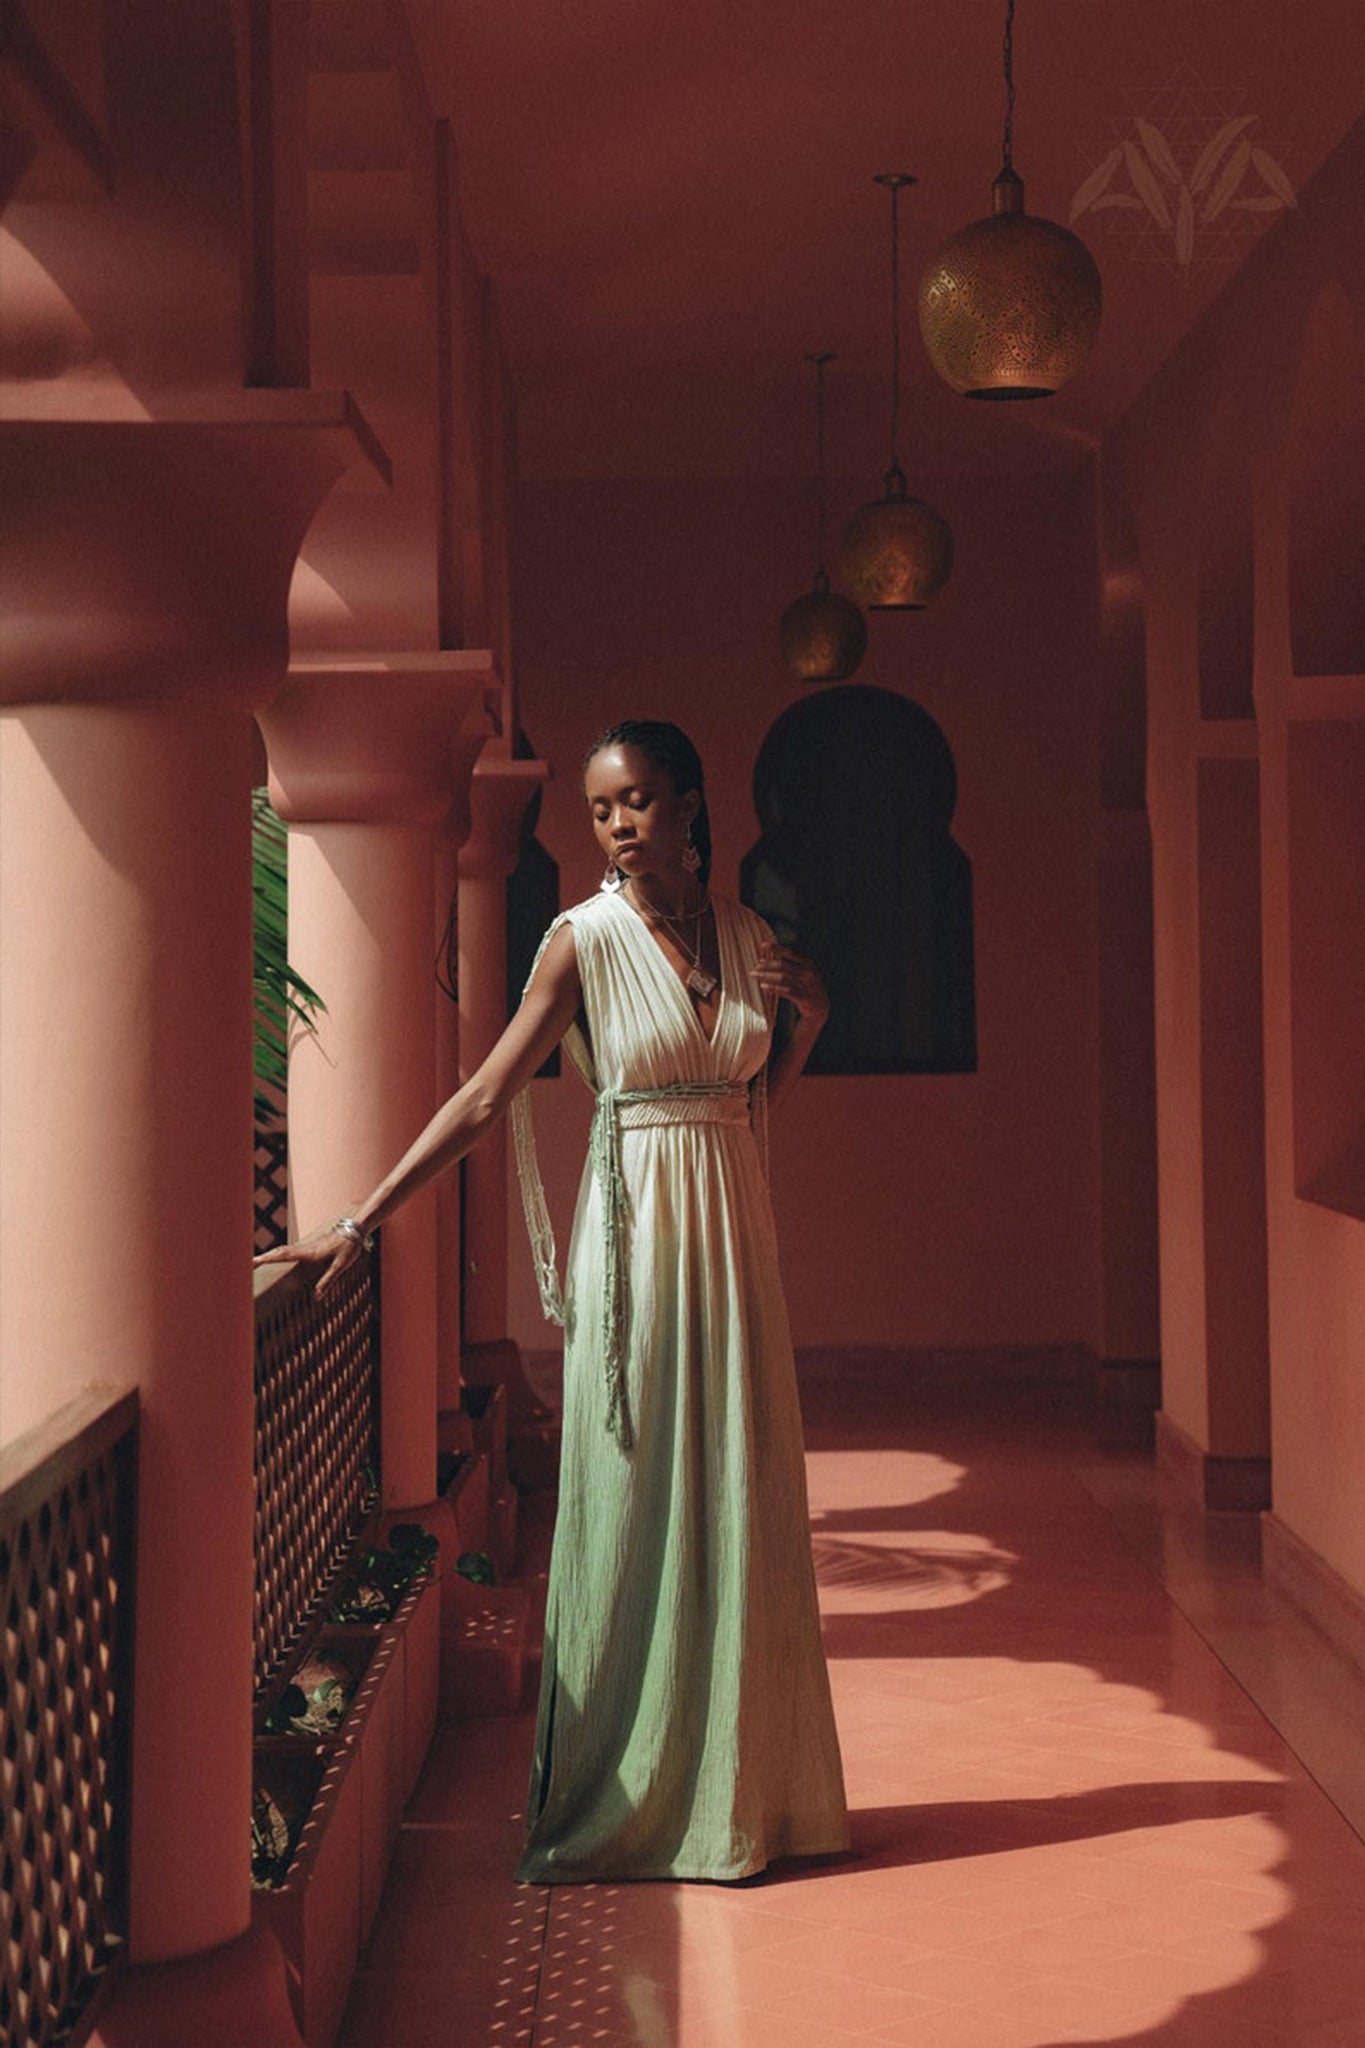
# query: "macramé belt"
[[685, 1102], [624, 1109]]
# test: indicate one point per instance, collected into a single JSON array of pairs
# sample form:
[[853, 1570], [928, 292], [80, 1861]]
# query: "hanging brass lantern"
[[897, 552], [822, 636], [1010, 305]]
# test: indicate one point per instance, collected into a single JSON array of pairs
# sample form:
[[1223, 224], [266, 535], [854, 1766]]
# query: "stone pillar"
[[500, 790], [1129, 1370], [361, 765], [474, 734], [1212, 1432], [1128, 1376], [146, 574]]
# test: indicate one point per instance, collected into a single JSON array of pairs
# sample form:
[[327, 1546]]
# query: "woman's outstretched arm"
[[546, 1012]]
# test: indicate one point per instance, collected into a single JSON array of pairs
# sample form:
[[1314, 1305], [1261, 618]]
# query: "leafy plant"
[[291, 1705], [272, 1842], [318, 1711], [315, 1701], [363, 1601], [385, 1573], [281, 996], [415, 1545]]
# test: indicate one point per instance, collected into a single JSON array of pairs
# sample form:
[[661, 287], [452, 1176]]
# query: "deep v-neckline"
[[666, 968]]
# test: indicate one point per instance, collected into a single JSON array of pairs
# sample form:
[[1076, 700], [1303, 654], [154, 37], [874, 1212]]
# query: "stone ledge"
[[1225, 1485], [948, 1367], [1297, 1572]]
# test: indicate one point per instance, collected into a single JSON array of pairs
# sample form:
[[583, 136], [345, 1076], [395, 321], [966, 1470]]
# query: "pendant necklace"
[[697, 979]]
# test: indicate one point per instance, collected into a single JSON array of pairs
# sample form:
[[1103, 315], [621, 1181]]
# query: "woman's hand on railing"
[[322, 1258]]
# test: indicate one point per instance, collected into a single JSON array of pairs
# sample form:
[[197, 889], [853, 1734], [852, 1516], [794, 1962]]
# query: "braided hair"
[[667, 748]]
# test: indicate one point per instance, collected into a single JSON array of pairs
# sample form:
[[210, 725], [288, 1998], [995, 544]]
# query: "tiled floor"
[[1072, 1823]]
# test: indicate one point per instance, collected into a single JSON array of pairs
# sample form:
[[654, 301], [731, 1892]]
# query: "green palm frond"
[[282, 997]]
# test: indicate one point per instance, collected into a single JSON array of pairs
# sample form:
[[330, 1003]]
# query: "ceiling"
[[675, 199]]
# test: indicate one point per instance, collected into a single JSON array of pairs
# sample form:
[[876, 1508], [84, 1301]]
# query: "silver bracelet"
[[348, 1227]]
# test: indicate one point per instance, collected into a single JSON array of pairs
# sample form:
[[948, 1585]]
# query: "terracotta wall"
[[914, 1210], [1242, 467]]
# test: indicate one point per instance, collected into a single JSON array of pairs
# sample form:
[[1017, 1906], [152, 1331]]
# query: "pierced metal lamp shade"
[[897, 552], [822, 636], [1010, 305]]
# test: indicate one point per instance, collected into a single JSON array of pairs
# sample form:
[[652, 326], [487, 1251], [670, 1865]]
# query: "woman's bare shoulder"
[[587, 915], [746, 919], [571, 933]]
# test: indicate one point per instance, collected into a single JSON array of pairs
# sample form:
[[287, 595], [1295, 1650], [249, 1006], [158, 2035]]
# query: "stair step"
[[485, 1632], [533, 1454]]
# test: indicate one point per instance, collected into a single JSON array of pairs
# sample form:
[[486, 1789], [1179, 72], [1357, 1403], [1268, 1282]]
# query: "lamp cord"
[[895, 325], [820, 358], [895, 180], [1009, 85]]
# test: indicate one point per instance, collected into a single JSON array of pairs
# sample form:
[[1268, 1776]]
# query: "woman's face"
[[639, 819]]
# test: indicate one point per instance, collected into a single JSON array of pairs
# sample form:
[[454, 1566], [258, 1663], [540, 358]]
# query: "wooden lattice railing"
[[317, 1442], [272, 1187], [67, 1513]]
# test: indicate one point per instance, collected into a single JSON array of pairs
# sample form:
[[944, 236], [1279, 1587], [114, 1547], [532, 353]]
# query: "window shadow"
[[939, 1582]]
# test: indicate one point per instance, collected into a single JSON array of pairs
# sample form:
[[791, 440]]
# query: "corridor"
[[1104, 1787]]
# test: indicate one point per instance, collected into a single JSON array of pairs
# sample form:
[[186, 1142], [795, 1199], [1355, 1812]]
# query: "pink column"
[[449, 1287], [361, 764], [146, 575], [500, 791]]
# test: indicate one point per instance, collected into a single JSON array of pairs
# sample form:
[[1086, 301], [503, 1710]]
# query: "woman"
[[685, 1727]]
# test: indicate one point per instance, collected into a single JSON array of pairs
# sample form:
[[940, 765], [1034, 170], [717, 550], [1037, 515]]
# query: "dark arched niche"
[[855, 789]]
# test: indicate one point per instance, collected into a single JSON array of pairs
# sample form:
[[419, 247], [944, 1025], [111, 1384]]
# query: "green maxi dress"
[[685, 1727]]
